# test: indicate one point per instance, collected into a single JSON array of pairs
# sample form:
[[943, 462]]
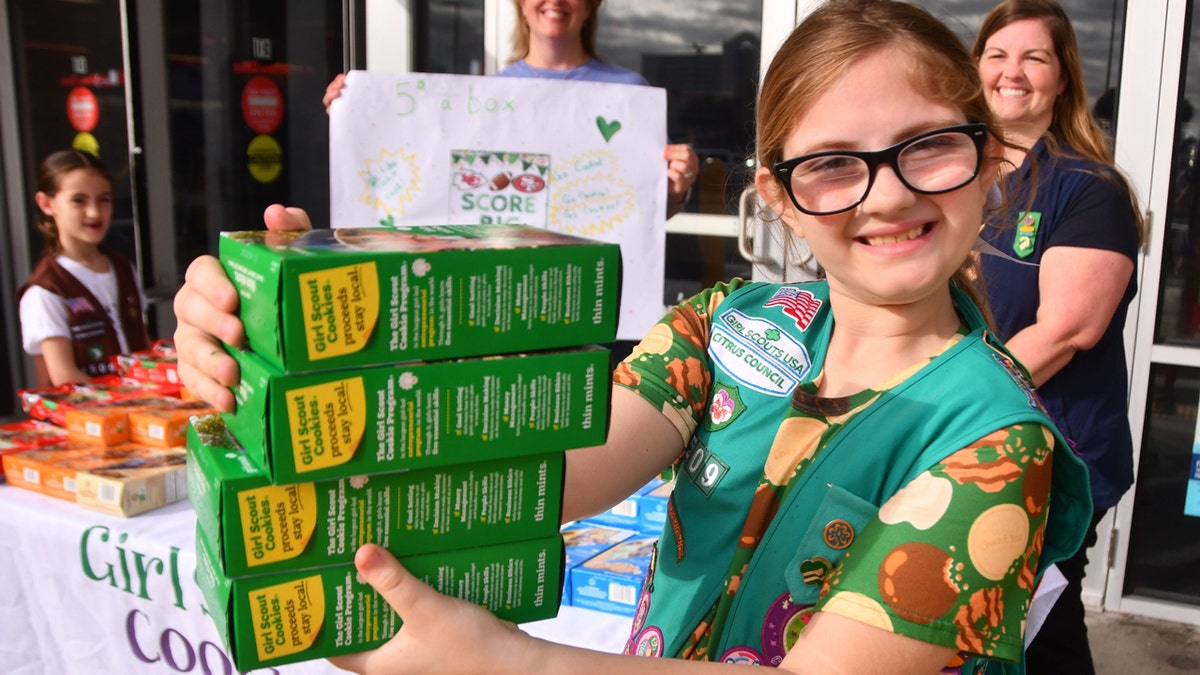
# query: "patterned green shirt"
[[949, 559]]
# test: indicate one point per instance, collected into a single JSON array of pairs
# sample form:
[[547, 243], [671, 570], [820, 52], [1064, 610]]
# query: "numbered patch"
[[703, 467]]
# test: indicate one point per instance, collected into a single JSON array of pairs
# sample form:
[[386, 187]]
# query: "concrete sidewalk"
[[1128, 645]]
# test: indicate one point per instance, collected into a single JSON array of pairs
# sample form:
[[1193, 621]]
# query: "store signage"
[[86, 142], [264, 158], [262, 105], [83, 111]]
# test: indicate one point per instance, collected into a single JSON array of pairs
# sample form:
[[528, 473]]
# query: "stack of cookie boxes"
[[415, 388], [608, 555]]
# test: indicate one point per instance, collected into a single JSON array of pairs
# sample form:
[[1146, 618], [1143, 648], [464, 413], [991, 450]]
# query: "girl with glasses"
[[865, 482]]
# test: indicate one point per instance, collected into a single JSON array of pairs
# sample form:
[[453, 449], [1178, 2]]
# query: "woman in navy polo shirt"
[[1061, 292]]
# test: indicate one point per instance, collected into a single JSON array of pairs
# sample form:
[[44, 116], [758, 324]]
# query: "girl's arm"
[[59, 357], [431, 641], [641, 443], [1080, 289]]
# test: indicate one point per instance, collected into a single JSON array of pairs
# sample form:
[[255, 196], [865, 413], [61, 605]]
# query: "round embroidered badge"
[[781, 627], [649, 643], [639, 620], [743, 656]]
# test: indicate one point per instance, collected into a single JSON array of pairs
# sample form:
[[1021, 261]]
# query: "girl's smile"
[[896, 246], [82, 211]]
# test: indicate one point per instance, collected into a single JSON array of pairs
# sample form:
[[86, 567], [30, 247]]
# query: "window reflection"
[[1163, 555], [246, 121], [449, 36], [1099, 29], [706, 55], [1178, 301], [68, 58]]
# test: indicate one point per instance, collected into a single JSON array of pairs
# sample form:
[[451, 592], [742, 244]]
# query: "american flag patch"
[[797, 303], [77, 305]]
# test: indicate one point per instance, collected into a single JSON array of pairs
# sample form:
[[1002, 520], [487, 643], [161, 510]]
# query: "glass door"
[[240, 124], [206, 111], [69, 89], [1101, 32], [1154, 567]]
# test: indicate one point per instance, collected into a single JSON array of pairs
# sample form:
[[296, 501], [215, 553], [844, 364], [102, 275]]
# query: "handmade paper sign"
[[583, 158]]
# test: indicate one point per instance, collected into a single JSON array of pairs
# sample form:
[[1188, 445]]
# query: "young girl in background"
[[83, 303]]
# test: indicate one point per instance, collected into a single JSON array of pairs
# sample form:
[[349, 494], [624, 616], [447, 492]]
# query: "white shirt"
[[44, 314]]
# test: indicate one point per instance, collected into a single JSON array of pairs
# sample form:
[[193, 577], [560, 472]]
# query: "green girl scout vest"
[[766, 339]]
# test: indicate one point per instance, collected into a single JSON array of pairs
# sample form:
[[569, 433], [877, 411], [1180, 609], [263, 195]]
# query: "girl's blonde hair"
[[49, 178], [587, 34], [841, 32], [1073, 121]]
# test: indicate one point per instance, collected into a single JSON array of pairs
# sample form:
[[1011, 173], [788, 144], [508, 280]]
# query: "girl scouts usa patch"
[[1027, 227]]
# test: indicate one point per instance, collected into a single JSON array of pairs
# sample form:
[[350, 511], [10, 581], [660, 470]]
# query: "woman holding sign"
[[557, 40]]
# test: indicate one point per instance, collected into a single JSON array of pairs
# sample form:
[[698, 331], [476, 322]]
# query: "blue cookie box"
[[585, 540], [612, 581], [645, 511]]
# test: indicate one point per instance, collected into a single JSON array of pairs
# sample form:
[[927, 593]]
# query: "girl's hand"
[[440, 634], [206, 312]]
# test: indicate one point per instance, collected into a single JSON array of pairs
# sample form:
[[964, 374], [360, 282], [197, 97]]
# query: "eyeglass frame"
[[977, 131]]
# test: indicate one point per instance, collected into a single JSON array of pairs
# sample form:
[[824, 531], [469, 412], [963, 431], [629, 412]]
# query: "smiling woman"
[[1063, 316]]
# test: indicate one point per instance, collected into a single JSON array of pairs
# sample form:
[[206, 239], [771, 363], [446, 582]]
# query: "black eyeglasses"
[[833, 181]]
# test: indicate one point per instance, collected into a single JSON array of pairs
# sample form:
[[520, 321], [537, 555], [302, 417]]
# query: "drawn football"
[[500, 181]]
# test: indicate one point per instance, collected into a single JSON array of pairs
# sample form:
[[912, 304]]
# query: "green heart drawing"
[[608, 129]]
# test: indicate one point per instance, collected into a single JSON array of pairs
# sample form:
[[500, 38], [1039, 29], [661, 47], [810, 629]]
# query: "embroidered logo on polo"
[[725, 407], [1028, 223], [797, 303], [703, 467], [95, 352], [758, 354]]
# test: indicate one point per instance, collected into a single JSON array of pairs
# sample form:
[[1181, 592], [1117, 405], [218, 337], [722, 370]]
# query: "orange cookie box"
[[52, 471], [165, 427]]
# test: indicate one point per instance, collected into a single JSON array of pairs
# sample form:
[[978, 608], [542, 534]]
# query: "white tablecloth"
[[84, 592]]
